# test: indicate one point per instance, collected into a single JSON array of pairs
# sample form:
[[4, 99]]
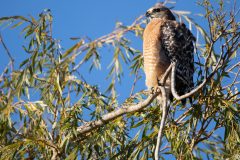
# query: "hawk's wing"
[[177, 41]]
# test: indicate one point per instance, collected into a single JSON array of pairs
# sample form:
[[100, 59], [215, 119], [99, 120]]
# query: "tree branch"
[[173, 83], [108, 38], [134, 83], [164, 110], [234, 66], [7, 50], [114, 114], [162, 123], [183, 116]]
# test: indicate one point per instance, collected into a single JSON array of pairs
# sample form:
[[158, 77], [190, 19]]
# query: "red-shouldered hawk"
[[164, 41]]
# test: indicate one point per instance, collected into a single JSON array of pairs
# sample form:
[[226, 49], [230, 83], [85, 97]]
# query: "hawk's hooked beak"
[[147, 14]]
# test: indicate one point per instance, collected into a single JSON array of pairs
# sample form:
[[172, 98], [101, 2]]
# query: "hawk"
[[164, 41]]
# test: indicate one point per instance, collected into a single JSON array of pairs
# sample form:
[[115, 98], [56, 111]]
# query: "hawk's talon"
[[155, 90], [158, 89], [152, 90]]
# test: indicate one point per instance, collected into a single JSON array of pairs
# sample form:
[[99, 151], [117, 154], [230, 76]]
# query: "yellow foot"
[[155, 90]]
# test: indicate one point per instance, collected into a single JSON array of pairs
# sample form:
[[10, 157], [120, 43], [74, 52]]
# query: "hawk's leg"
[[156, 88], [153, 90], [160, 83]]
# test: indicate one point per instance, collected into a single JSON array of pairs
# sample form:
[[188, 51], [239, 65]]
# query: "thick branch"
[[164, 110], [162, 123], [113, 115]]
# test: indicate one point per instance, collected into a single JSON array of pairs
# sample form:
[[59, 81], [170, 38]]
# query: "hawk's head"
[[159, 11]]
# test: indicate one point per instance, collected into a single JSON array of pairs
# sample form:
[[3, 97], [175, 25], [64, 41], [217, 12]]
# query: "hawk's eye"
[[156, 10]]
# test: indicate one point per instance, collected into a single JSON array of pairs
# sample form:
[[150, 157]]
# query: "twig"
[[229, 98], [207, 136], [107, 38], [134, 83], [6, 49], [183, 116], [16, 18], [11, 63], [4, 71], [230, 69], [235, 79]]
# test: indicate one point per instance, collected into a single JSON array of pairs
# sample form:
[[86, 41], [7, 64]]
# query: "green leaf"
[[38, 38], [73, 154], [57, 82], [17, 24], [23, 63], [76, 46]]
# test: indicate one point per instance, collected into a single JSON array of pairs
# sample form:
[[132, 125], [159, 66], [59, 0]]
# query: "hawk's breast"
[[155, 60]]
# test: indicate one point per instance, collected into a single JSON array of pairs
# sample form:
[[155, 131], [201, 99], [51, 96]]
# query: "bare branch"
[[173, 90], [164, 116], [113, 115], [234, 66], [108, 38], [173, 78], [16, 18], [5, 70], [164, 110], [183, 116], [134, 83]]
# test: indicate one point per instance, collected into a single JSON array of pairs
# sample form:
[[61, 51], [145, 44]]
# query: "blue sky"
[[79, 18]]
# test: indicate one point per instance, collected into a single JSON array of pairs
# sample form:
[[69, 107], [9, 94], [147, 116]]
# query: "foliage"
[[47, 128]]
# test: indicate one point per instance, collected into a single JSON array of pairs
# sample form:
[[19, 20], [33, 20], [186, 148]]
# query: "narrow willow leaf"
[[58, 84], [14, 17], [76, 46], [23, 63], [38, 38], [73, 154], [17, 24]]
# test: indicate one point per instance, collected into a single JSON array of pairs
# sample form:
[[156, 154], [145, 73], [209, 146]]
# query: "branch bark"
[[164, 110], [162, 123], [88, 127], [173, 83]]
